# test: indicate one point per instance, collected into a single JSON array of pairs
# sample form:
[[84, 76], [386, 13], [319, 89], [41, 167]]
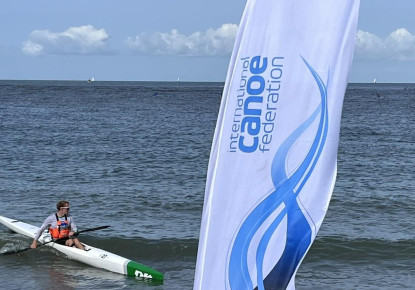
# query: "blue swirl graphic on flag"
[[287, 189]]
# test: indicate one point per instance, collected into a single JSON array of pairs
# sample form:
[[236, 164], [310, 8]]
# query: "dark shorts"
[[61, 241]]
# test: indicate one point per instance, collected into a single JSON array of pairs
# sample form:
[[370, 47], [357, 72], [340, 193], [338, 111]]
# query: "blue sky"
[[161, 40]]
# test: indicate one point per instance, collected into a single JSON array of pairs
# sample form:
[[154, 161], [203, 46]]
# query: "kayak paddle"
[[11, 252]]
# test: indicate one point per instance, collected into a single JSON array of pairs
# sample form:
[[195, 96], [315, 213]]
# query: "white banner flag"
[[272, 167]]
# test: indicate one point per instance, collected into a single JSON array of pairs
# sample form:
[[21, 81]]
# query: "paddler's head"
[[63, 207]]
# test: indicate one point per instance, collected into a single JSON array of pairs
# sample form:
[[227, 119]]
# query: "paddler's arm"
[[34, 244], [74, 230], [45, 224]]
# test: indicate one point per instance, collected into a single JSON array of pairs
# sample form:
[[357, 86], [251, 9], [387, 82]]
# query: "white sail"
[[273, 159]]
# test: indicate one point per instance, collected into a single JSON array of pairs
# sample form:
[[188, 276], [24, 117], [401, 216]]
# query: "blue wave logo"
[[281, 204]]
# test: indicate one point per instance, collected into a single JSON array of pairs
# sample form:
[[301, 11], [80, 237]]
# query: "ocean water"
[[134, 155]]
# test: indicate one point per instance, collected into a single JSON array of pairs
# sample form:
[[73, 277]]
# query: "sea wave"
[[142, 248], [361, 250]]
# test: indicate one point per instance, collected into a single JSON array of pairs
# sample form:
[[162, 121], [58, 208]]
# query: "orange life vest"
[[62, 230]]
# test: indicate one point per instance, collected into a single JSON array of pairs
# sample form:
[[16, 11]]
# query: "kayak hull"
[[92, 256]]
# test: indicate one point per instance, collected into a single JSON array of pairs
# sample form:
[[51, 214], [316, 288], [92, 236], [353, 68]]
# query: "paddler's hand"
[[33, 245], [71, 233], [74, 233]]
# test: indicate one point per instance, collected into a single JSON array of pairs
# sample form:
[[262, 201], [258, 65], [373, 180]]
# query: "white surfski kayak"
[[92, 256]]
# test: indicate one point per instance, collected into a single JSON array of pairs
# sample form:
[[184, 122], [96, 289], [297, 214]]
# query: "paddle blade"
[[13, 251]]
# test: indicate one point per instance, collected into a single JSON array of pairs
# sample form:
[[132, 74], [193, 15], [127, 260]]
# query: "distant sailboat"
[[178, 79], [91, 80], [374, 81]]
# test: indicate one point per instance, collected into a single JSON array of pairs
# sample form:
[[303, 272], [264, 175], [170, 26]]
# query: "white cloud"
[[212, 42], [32, 48], [399, 45], [75, 40]]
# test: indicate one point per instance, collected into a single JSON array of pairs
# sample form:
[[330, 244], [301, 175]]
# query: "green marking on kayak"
[[141, 271]]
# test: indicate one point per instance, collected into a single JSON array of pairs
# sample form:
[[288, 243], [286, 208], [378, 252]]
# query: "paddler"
[[61, 227]]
